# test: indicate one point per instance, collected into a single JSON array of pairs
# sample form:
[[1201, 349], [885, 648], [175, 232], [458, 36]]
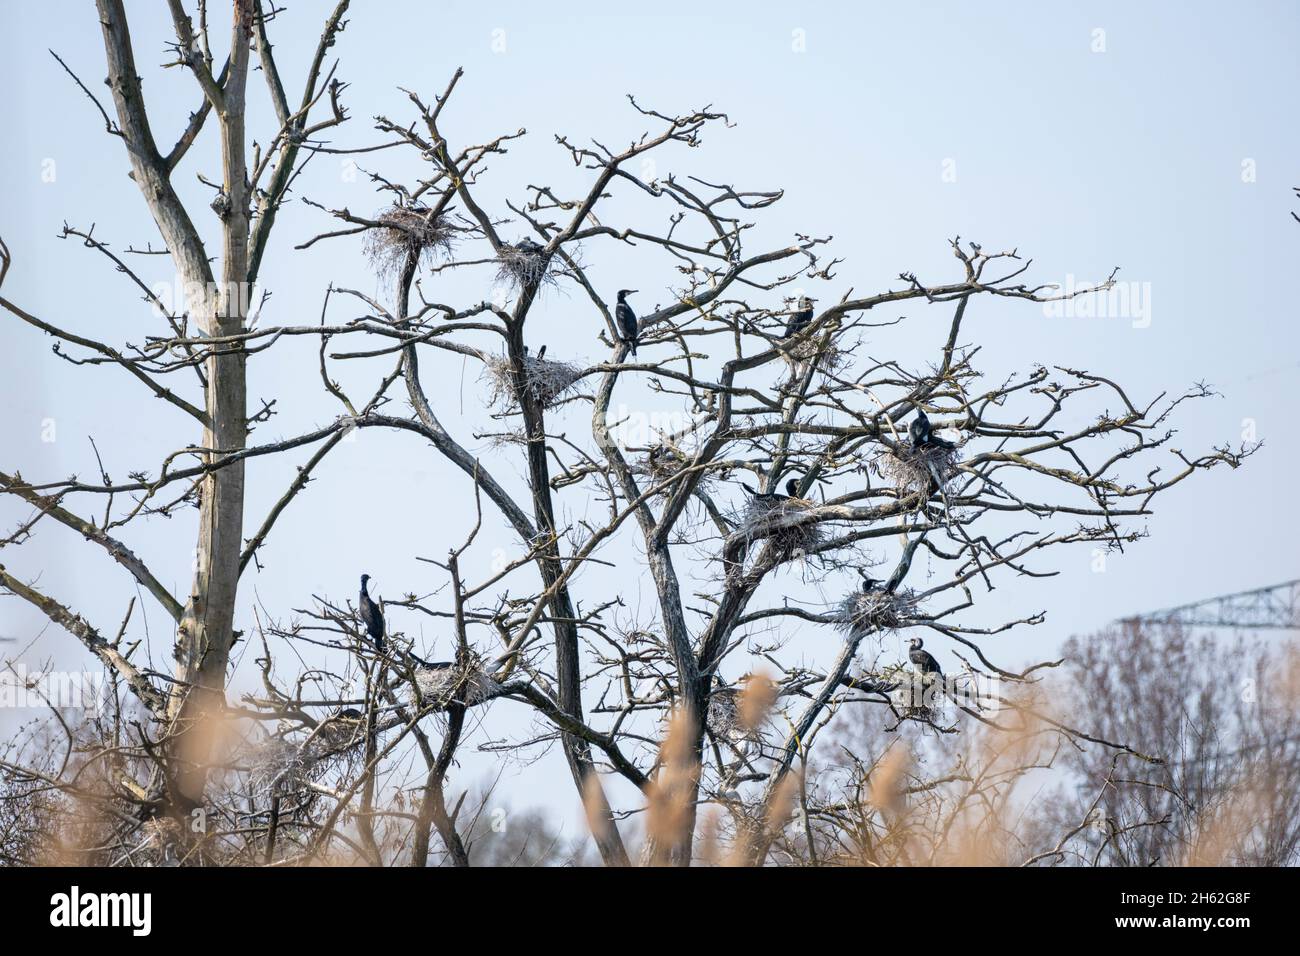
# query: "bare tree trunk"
[[206, 630]]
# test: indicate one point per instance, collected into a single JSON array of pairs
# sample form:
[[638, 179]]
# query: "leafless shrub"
[[1220, 713]]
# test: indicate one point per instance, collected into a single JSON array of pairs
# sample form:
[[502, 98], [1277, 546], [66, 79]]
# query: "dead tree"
[[208, 338], [1044, 459]]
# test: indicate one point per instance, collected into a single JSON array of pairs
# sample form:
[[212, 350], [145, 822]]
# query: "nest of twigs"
[[927, 469], [549, 383], [664, 462], [876, 610], [407, 230], [725, 720], [825, 354], [339, 733], [524, 265], [507, 439], [762, 519], [440, 684], [278, 767], [914, 694]]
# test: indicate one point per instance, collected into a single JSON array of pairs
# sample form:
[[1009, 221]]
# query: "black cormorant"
[[626, 319], [921, 434], [791, 487], [371, 616], [800, 318], [922, 660]]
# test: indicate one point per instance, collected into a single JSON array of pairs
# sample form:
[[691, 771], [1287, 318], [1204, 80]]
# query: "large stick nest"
[[440, 684], [876, 610], [549, 383], [525, 265], [278, 766], [726, 720], [761, 519], [927, 469], [407, 230], [915, 694], [664, 462], [827, 356]]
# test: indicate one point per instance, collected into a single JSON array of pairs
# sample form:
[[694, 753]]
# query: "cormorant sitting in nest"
[[775, 497], [626, 319], [799, 319], [923, 660], [869, 583], [922, 435], [371, 616]]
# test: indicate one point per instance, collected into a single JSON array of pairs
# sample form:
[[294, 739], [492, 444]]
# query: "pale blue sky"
[[1083, 160]]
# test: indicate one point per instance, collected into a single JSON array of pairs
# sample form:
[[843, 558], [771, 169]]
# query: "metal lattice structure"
[[1276, 607]]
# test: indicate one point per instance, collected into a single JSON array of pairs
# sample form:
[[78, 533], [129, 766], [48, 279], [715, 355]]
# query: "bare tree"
[[1222, 714], [812, 422]]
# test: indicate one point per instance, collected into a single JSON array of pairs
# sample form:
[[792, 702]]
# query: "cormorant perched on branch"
[[626, 319], [922, 435], [799, 319], [371, 616], [923, 660], [791, 487]]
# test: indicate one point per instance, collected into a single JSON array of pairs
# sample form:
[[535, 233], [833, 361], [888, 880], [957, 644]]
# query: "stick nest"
[[279, 767], [549, 383], [407, 230], [876, 611], [761, 520], [725, 720], [827, 356], [927, 469], [664, 462], [438, 685], [524, 265]]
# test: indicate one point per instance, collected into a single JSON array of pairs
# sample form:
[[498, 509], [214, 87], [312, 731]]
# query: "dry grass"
[[670, 795]]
